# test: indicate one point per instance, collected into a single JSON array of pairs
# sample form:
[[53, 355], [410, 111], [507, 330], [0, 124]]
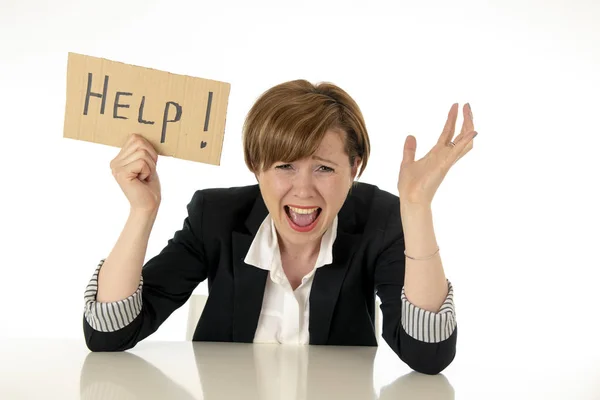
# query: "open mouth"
[[302, 219]]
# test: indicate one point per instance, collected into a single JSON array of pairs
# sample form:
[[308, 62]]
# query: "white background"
[[516, 219]]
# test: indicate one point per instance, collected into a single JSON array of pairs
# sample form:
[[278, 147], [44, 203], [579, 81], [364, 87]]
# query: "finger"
[[140, 168], [153, 176], [139, 142], [146, 172], [126, 150], [463, 144], [144, 175], [465, 139], [141, 154], [448, 132], [467, 125], [126, 145], [471, 126], [410, 148], [136, 143]]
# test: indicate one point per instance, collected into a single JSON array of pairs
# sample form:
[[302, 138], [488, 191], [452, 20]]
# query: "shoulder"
[[231, 196], [223, 208], [368, 198], [372, 209], [224, 200], [362, 191]]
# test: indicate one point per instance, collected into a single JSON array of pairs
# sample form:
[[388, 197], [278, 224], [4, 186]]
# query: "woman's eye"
[[324, 168], [284, 166]]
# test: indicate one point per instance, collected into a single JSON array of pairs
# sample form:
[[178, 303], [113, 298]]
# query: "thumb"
[[410, 148]]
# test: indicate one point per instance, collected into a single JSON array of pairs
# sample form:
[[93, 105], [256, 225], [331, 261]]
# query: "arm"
[[113, 295], [425, 283], [405, 326], [121, 271], [166, 283]]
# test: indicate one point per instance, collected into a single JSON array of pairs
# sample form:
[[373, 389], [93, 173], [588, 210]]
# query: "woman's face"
[[304, 196]]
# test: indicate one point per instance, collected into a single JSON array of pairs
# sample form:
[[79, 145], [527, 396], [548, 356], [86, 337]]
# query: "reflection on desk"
[[247, 371]]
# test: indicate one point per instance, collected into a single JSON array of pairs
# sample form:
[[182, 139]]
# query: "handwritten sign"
[[182, 116]]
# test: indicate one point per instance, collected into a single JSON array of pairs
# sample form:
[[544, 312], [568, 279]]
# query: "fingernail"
[[475, 135]]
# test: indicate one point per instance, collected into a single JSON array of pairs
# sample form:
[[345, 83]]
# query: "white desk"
[[66, 369]]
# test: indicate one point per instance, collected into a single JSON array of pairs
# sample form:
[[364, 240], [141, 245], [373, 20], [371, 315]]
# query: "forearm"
[[425, 283], [120, 274]]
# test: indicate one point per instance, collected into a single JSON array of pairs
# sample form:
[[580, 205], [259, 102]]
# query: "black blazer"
[[368, 259]]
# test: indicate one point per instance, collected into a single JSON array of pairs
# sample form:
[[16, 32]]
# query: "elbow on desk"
[[430, 367], [98, 346], [121, 340], [427, 358]]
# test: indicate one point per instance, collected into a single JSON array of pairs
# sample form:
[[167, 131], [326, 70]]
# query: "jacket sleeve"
[[109, 317], [167, 282], [430, 356], [427, 326]]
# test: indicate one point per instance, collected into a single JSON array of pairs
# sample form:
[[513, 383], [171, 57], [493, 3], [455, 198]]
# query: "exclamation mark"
[[207, 119], [210, 94]]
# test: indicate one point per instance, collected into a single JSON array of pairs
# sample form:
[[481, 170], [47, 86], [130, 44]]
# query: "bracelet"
[[419, 259]]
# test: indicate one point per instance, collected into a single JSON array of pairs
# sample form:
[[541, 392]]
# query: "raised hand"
[[134, 168], [419, 180]]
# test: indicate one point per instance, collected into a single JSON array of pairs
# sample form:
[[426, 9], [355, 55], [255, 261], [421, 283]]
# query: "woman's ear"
[[356, 164]]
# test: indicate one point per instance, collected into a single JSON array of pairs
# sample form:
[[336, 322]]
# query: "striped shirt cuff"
[[110, 317], [427, 326]]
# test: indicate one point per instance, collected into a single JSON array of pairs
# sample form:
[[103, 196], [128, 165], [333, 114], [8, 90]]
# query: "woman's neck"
[[299, 252]]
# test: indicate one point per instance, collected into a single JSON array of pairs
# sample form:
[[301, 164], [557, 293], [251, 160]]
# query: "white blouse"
[[284, 314]]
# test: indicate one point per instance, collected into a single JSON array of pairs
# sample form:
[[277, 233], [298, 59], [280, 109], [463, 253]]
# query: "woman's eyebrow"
[[324, 159]]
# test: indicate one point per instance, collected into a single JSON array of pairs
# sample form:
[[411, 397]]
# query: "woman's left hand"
[[419, 180]]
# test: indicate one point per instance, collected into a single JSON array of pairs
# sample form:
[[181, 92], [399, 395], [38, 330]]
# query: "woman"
[[297, 258]]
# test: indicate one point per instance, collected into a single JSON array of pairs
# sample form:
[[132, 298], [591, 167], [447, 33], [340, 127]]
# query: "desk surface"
[[66, 369]]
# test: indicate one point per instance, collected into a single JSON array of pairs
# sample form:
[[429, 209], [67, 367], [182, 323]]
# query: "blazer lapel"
[[249, 281], [329, 278]]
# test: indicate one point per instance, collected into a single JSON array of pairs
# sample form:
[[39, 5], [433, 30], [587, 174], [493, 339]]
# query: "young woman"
[[299, 257]]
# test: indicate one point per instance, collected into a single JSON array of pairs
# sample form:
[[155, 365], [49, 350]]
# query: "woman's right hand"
[[134, 168]]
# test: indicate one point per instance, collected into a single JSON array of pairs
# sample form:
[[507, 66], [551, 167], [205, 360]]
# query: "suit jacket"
[[368, 260]]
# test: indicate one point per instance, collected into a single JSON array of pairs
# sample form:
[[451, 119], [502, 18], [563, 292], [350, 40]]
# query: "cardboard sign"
[[182, 116]]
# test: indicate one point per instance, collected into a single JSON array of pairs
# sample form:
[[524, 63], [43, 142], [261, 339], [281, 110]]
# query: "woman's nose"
[[304, 184]]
